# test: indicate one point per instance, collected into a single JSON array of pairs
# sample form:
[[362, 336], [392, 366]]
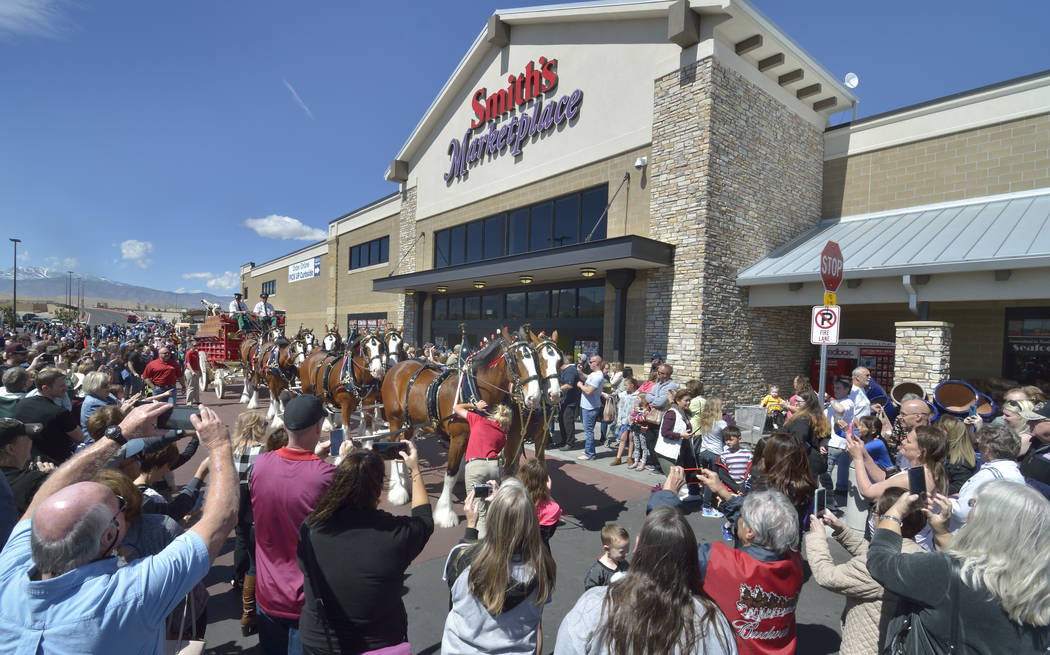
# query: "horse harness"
[[468, 385]]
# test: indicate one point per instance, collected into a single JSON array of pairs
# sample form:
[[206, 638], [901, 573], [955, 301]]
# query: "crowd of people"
[[89, 511]]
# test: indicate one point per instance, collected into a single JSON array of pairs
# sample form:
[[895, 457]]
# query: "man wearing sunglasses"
[[58, 569]]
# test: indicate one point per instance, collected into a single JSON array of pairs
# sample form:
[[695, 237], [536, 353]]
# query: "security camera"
[[641, 162]]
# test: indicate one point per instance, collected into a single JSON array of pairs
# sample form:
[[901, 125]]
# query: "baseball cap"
[[12, 428], [1027, 415], [130, 449], [1043, 411], [655, 356], [302, 412]]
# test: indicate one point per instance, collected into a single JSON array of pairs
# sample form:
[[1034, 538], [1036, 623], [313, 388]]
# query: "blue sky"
[[167, 143]]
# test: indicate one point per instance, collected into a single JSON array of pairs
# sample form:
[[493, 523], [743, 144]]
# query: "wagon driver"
[[239, 311], [264, 310]]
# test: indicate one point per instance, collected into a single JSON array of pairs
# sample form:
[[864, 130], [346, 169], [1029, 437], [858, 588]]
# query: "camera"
[[482, 490], [387, 449]]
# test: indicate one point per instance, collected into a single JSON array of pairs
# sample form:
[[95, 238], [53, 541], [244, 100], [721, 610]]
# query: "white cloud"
[[31, 17], [298, 100], [225, 282], [180, 290], [283, 227], [196, 276], [70, 262], [23, 256], [136, 251], [55, 262]]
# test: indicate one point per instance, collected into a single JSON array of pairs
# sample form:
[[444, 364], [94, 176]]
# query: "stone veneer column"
[[405, 316], [923, 353], [734, 175], [332, 296]]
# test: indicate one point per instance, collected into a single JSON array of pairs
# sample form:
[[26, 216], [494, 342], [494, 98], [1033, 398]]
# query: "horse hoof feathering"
[[444, 515], [398, 493]]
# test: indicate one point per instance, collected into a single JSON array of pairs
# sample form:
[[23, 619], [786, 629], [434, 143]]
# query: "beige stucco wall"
[[999, 158], [303, 301], [351, 291]]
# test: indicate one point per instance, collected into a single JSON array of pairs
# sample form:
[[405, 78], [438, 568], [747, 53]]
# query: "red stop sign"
[[831, 266]]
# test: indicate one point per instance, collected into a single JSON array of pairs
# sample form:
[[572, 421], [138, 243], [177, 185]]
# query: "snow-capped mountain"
[[51, 283]]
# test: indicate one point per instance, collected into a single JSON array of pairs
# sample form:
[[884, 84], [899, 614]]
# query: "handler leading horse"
[[417, 394]]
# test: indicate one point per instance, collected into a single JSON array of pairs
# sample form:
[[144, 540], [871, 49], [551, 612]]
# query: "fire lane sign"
[[824, 325]]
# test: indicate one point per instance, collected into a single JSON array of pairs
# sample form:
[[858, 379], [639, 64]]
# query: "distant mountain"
[[43, 282]]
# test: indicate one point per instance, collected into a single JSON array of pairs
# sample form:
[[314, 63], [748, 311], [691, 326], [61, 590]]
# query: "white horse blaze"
[[552, 360], [444, 515], [532, 388]]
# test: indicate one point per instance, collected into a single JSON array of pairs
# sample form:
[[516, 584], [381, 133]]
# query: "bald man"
[[913, 413], [58, 569]]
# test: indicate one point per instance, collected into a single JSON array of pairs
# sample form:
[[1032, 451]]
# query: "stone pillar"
[[406, 241], [734, 174], [923, 353]]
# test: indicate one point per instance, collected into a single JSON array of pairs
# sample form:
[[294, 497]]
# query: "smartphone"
[[336, 437], [387, 449], [177, 418], [917, 480], [482, 490], [973, 409], [820, 501]]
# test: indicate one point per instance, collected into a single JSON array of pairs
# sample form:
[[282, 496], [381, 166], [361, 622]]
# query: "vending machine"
[[876, 356]]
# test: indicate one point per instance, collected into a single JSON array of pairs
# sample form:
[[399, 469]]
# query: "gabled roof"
[[979, 234], [757, 40]]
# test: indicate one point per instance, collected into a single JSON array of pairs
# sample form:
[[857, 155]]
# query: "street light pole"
[[69, 286], [14, 283]]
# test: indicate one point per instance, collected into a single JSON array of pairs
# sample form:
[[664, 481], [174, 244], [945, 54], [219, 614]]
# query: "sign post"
[[826, 318]]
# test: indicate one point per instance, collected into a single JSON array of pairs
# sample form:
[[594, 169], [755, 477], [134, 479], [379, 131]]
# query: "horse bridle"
[[518, 383], [549, 343]]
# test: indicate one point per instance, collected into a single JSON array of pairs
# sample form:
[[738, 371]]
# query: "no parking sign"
[[824, 325]]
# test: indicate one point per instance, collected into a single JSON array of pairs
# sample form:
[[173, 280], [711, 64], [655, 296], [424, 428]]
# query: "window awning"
[[554, 265], [1010, 231]]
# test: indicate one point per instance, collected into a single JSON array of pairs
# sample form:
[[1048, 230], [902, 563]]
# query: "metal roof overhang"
[[1008, 231], [545, 266]]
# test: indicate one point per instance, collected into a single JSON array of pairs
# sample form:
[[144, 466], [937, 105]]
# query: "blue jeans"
[[278, 636], [170, 399], [590, 417]]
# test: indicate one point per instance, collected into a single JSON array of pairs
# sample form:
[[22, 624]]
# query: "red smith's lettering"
[[522, 88]]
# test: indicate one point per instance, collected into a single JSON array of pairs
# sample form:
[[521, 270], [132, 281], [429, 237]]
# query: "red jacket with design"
[[758, 597]]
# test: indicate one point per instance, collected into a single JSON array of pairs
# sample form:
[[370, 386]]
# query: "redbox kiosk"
[[876, 356]]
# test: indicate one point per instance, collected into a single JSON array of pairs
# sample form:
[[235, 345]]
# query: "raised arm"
[[87, 463], [220, 509]]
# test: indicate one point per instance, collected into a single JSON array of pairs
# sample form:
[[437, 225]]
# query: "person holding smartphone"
[[359, 613]]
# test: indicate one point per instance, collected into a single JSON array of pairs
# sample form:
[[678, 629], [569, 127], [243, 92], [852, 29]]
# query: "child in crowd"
[[868, 429], [533, 475], [735, 461], [612, 565], [627, 404], [775, 408], [638, 425]]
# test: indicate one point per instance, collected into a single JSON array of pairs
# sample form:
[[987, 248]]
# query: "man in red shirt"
[[193, 374], [163, 373]]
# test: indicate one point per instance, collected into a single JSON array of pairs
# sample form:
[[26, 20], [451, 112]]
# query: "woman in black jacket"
[[811, 427], [993, 579], [354, 555]]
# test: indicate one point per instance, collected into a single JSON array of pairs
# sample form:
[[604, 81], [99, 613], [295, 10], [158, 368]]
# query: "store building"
[[655, 176]]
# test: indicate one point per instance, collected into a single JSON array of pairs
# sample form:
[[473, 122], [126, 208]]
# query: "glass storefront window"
[[472, 307], [515, 306], [441, 249], [592, 302], [458, 238], [474, 241], [540, 226], [440, 309], [563, 303], [592, 206], [455, 309], [494, 241], [566, 221], [539, 304], [518, 232], [490, 306]]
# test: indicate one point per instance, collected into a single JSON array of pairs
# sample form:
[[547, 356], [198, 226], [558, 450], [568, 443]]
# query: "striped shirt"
[[736, 462]]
